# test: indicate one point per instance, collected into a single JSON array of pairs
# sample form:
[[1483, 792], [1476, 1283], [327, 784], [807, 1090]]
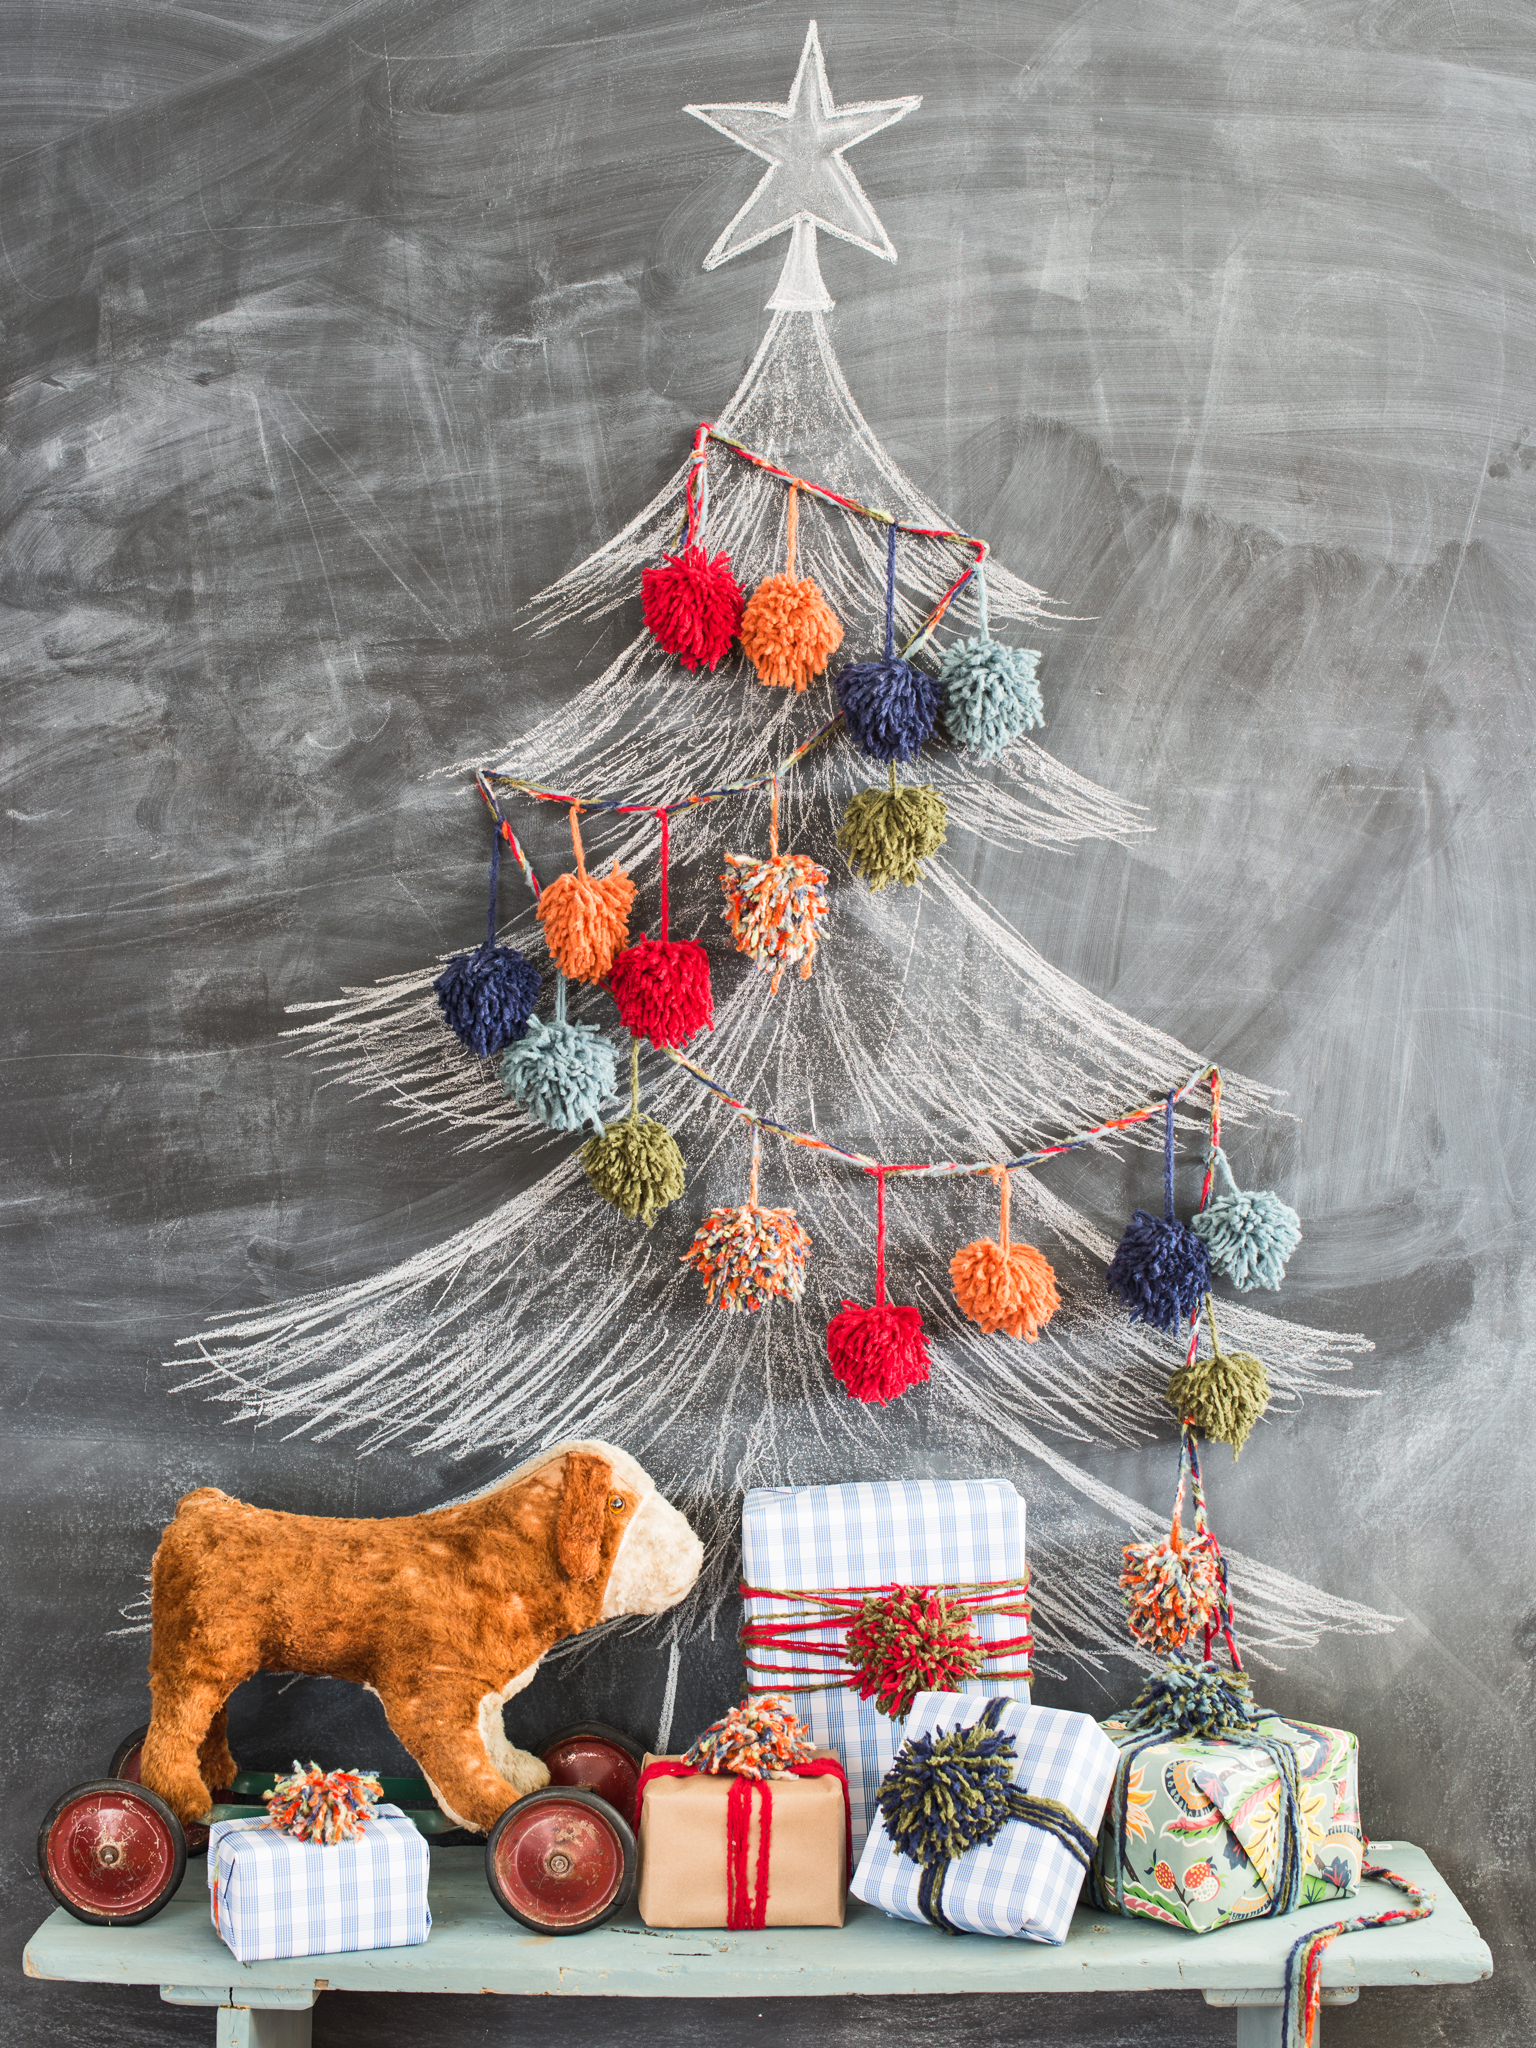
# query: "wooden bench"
[[474, 1948]]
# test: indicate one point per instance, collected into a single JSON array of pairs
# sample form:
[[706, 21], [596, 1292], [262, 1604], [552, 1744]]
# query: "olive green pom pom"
[[1223, 1396], [888, 834], [636, 1166]]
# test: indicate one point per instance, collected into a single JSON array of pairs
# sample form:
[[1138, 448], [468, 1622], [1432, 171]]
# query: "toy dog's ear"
[[579, 1525]]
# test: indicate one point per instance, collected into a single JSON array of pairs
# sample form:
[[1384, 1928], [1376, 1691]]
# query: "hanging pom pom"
[[586, 917], [788, 630], [890, 707], [636, 1164], [751, 1255], [1160, 1271], [1222, 1396], [322, 1806], [561, 1073], [877, 1353], [990, 694], [761, 1738], [775, 905], [908, 1641], [661, 987], [888, 834], [488, 995], [692, 605], [1004, 1286], [1249, 1235], [1171, 1588]]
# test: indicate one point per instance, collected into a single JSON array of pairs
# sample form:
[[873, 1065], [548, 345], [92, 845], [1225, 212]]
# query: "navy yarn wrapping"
[[1161, 1270], [488, 995], [889, 706]]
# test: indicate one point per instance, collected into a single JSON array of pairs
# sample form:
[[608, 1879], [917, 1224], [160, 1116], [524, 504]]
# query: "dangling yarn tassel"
[[636, 1164], [1173, 1586], [751, 1255], [877, 1353], [887, 835], [1160, 1270], [1004, 1286], [990, 692], [586, 917], [788, 630], [1249, 1235], [488, 995], [561, 1073], [692, 603], [1222, 1396], [661, 986], [889, 706], [775, 904]]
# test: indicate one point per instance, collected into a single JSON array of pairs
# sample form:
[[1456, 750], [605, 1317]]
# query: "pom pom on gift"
[[586, 917], [488, 995], [750, 1256], [322, 1806], [1248, 1235], [911, 1640], [1224, 1395], [1191, 1696], [1160, 1270], [887, 835], [562, 1073], [635, 1165], [1003, 1286], [692, 605], [947, 1793], [877, 1353], [788, 631], [760, 1739], [990, 694], [775, 905], [661, 986]]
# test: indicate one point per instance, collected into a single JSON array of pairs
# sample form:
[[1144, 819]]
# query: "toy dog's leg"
[[440, 1726], [215, 1765], [178, 1725]]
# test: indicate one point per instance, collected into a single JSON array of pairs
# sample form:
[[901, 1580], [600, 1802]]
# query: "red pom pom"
[[661, 987], [693, 605], [877, 1353]]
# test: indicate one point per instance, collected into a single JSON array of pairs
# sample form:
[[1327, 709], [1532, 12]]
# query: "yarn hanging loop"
[[877, 1353], [1004, 1286], [661, 986]]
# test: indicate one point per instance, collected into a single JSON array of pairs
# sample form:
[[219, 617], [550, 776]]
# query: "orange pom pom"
[[789, 632], [1003, 1286], [586, 917]]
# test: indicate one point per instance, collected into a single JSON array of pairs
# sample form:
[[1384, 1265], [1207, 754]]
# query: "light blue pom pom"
[[1249, 1235], [990, 693], [561, 1073]]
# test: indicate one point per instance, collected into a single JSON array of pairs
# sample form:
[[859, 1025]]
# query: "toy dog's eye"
[[616, 1502]]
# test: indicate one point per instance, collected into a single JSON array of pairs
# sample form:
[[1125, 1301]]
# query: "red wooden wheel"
[[560, 1861], [111, 1852], [127, 1762], [598, 1757]]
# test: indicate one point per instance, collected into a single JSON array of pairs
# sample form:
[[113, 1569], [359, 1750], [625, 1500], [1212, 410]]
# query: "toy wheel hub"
[[560, 1860], [109, 1854]]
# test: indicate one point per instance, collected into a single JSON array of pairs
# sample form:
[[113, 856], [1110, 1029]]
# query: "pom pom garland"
[[887, 835], [661, 986], [775, 905], [636, 1164], [908, 1641], [488, 995], [1249, 1236], [761, 1738], [1222, 1396], [1004, 1286], [788, 631], [1160, 1269], [1172, 1587], [750, 1256], [586, 917], [877, 1353], [889, 706], [561, 1073], [322, 1806]]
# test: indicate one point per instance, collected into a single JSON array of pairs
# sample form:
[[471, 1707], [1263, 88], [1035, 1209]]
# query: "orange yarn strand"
[[788, 631], [586, 917]]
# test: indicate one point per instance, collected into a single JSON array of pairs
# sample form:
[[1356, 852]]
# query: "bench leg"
[[249, 2026]]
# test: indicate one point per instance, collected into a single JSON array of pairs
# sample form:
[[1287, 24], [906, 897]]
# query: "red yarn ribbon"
[[666, 854], [746, 1889], [839, 1608], [879, 1173]]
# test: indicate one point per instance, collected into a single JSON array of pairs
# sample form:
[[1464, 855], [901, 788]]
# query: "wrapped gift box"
[[685, 1850], [1201, 1822], [273, 1896], [958, 1533], [1024, 1882]]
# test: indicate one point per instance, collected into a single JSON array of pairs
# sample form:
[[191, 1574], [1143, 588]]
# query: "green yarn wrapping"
[[888, 834], [1224, 1394]]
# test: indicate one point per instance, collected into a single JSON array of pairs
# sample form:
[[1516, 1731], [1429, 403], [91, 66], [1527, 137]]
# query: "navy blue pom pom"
[[1160, 1270], [488, 997], [890, 706]]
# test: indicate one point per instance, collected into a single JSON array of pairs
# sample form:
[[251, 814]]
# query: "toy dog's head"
[[612, 1521]]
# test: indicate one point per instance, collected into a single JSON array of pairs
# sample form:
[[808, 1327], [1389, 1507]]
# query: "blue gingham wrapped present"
[[273, 1896], [965, 1535], [1026, 1880]]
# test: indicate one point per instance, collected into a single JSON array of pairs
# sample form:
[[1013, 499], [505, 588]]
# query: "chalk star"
[[807, 185]]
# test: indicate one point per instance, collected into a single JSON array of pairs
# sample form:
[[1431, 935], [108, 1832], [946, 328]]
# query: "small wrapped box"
[[273, 1896], [1196, 1831], [701, 1849], [812, 1555], [1048, 1783]]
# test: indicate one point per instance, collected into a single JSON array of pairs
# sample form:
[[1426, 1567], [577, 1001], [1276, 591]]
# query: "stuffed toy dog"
[[444, 1615]]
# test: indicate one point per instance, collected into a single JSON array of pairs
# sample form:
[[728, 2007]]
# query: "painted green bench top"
[[475, 1948]]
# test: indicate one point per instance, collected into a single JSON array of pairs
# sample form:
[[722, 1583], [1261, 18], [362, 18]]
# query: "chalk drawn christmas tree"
[[930, 1029]]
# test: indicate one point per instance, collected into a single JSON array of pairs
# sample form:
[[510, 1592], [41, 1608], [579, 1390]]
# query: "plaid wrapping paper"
[[1023, 1882], [876, 1533], [1203, 1819], [272, 1896]]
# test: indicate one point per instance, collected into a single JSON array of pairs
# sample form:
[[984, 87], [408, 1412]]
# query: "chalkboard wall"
[[332, 334]]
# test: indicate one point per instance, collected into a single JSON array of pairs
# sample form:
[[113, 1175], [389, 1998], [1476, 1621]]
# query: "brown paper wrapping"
[[682, 1851]]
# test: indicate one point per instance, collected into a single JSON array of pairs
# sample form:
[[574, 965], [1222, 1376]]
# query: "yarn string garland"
[[1304, 1965], [660, 987], [890, 706], [488, 995], [321, 1806], [775, 905], [877, 1353], [1004, 1286]]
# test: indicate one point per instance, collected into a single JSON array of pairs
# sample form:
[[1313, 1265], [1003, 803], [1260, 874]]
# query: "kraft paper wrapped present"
[[1025, 1880], [854, 1539], [273, 1896], [700, 1841], [1201, 1822]]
